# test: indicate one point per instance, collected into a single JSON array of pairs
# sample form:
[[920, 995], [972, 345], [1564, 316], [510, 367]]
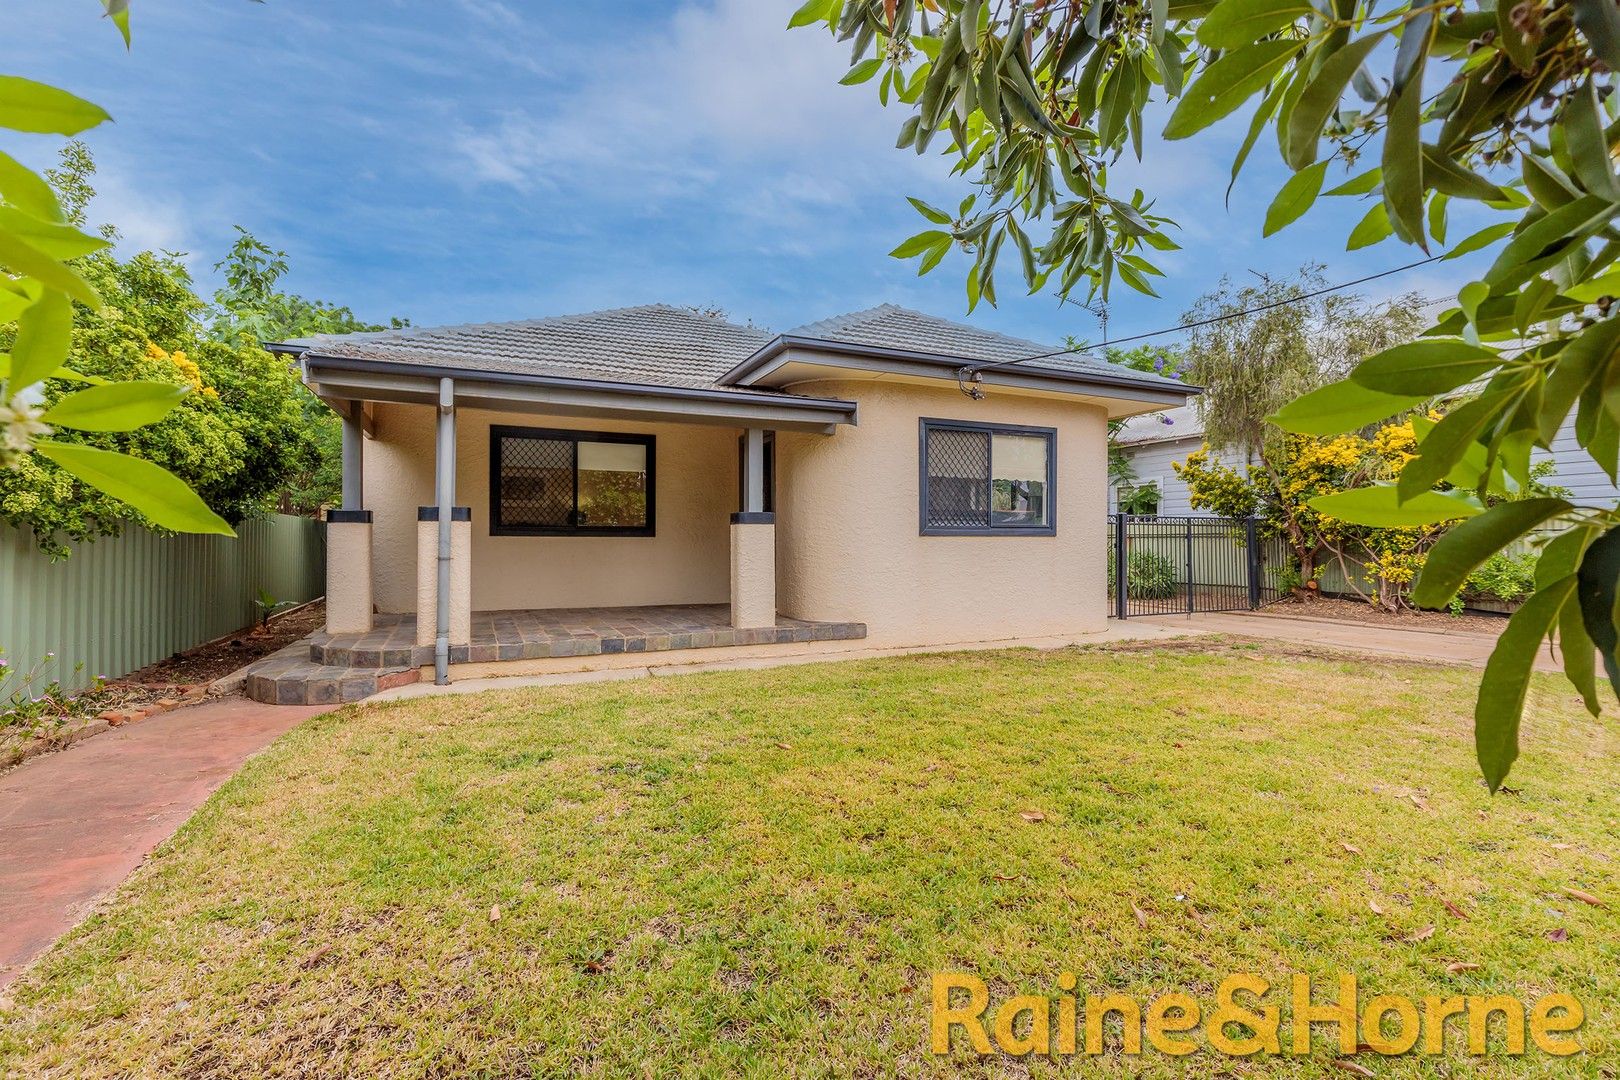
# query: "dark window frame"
[[497, 432], [989, 528]]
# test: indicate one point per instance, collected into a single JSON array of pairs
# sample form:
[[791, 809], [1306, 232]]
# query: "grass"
[[755, 873]]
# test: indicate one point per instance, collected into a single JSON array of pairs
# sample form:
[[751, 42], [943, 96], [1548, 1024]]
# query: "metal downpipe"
[[445, 483]]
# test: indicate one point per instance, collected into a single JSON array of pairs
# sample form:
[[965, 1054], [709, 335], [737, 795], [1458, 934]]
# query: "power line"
[[974, 369]]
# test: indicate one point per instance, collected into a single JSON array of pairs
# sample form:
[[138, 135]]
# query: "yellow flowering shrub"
[[1279, 488], [236, 439]]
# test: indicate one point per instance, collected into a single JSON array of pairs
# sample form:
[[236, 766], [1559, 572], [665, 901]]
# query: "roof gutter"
[[337, 378], [942, 362], [435, 372]]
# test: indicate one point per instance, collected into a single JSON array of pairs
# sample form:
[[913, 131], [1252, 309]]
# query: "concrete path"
[[74, 824]]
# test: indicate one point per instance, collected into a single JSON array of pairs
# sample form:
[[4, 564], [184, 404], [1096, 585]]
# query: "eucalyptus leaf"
[[1226, 84], [26, 105], [1340, 407], [1233, 24], [1427, 367], [1371, 229], [1507, 678], [1380, 507], [1295, 198], [153, 490], [1464, 549], [122, 406], [43, 332], [24, 189], [1321, 95]]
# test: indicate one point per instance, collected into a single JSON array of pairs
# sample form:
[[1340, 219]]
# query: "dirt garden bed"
[[184, 678], [219, 658], [1358, 611]]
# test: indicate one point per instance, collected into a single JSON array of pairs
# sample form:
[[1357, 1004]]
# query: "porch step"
[[290, 677], [564, 632]]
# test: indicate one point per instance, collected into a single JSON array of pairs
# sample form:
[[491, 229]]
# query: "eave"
[[342, 380], [786, 360]]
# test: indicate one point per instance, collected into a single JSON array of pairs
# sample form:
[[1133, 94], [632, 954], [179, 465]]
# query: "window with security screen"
[[987, 479], [570, 483]]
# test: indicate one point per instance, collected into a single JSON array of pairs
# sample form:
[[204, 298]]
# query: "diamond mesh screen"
[[537, 482], [958, 478]]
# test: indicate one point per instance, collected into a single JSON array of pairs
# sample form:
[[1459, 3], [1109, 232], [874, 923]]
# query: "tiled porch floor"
[[327, 667]]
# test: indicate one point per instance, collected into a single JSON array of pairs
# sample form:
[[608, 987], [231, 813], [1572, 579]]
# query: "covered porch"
[[494, 517]]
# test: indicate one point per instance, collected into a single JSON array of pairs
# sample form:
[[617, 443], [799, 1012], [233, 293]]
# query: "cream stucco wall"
[[847, 521], [687, 562], [847, 541]]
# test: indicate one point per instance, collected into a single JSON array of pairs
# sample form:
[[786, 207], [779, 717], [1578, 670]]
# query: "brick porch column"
[[427, 574], [753, 544], [753, 570], [348, 571]]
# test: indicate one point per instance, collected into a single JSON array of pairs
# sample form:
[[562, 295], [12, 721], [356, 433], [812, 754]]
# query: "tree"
[[1166, 360], [1256, 347], [1263, 344], [42, 290], [251, 309], [236, 435], [1037, 99], [1301, 468]]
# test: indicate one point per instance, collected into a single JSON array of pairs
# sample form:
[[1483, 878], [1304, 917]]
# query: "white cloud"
[[147, 217], [720, 100], [491, 12]]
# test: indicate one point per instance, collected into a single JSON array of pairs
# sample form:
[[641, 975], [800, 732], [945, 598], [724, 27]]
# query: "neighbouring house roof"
[[1166, 425]]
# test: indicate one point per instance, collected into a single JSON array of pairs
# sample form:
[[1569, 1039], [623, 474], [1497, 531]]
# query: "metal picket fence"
[[1185, 565]]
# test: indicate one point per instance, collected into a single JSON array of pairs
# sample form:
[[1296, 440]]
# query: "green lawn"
[[756, 873]]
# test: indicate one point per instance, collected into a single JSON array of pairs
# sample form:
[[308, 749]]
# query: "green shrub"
[[1149, 576], [1502, 577]]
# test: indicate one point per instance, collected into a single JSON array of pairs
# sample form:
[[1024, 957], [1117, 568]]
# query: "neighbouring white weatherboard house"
[[1152, 443]]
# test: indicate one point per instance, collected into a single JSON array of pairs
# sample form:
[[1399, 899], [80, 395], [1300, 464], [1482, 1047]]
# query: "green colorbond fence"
[[123, 602]]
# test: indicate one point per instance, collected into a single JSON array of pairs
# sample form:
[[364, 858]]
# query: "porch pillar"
[[354, 461], [427, 576], [348, 541], [753, 544]]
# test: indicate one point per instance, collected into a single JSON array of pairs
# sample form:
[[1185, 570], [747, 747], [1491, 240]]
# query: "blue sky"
[[470, 160]]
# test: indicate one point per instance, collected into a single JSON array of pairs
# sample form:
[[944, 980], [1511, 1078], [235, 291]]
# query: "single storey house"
[[568, 492]]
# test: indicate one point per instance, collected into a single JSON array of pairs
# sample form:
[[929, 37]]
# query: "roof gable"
[[889, 326]]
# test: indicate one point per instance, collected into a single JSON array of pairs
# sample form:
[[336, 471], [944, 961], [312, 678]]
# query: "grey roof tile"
[[655, 343], [894, 327], [658, 344]]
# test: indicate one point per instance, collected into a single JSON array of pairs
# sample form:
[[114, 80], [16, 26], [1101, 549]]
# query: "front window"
[[979, 478], [570, 483]]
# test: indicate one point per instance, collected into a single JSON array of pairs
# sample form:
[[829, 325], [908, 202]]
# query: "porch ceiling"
[[340, 381]]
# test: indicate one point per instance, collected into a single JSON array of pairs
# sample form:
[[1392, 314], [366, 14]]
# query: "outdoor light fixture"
[[969, 381]]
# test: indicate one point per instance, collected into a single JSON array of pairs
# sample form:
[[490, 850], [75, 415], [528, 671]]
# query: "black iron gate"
[[1182, 565]]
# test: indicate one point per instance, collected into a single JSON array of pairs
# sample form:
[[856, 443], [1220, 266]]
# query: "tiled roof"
[[893, 327], [661, 345], [654, 343], [1181, 422]]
